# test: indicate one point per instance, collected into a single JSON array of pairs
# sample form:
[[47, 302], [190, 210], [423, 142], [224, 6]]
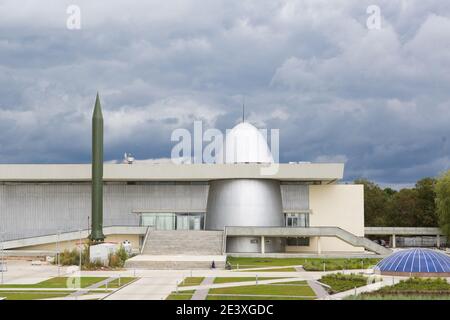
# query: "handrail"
[[147, 232], [224, 240]]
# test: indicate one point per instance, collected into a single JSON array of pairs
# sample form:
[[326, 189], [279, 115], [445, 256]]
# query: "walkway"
[[318, 289], [94, 296], [201, 294], [149, 288]]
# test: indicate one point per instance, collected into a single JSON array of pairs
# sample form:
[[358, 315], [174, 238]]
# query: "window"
[[300, 219], [298, 242], [174, 221]]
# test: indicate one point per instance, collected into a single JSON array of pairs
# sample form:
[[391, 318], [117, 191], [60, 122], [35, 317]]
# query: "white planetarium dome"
[[245, 144]]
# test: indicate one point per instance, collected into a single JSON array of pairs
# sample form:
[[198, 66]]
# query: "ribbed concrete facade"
[[28, 210], [35, 209]]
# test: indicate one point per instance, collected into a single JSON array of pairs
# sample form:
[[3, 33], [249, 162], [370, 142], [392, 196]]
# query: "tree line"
[[427, 204]]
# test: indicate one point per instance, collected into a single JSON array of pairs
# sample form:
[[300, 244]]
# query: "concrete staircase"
[[189, 242], [180, 249]]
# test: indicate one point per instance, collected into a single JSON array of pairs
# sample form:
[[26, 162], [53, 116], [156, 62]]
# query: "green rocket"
[[97, 174]]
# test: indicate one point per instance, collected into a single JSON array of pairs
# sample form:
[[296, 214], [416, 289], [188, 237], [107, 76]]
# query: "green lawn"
[[210, 297], [191, 281], [181, 295], [266, 289], [310, 264], [240, 279], [400, 297], [342, 282], [263, 262], [31, 295], [317, 264], [57, 282], [286, 291]]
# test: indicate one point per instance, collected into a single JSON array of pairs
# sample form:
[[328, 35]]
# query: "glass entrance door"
[[297, 219], [292, 221], [173, 221]]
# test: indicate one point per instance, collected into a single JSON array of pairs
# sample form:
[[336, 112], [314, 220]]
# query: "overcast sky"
[[378, 100]]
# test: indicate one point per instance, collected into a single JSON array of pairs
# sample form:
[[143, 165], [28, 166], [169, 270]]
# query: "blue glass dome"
[[415, 262]]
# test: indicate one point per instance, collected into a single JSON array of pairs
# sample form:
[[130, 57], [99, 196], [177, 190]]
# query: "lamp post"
[[80, 255], [57, 252], [2, 261]]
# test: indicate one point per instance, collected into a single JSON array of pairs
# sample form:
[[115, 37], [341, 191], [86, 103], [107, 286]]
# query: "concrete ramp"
[[336, 232]]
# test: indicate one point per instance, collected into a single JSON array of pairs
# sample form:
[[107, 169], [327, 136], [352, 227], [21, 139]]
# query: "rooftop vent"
[[128, 158]]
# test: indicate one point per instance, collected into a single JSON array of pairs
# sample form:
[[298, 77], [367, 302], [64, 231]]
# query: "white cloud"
[[378, 99]]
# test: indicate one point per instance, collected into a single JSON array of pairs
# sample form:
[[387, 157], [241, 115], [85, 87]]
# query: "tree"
[[389, 191], [426, 203], [375, 204], [443, 202], [404, 209]]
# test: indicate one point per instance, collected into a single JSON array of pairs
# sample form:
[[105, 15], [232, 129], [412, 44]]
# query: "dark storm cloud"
[[375, 99]]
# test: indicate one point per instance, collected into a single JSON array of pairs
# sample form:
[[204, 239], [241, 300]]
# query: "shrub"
[[69, 257], [342, 282], [418, 285], [72, 257], [117, 259]]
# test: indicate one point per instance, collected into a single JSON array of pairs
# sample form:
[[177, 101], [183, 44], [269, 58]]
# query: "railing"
[[64, 236], [145, 239], [224, 240], [324, 231]]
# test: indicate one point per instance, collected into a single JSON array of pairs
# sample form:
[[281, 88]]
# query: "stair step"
[[191, 242]]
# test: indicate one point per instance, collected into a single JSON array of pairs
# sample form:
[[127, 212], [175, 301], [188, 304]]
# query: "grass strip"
[[266, 289], [191, 281], [241, 279]]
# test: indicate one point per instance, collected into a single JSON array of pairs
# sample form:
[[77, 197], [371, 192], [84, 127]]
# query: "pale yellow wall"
[[339, 206], [116, 238]]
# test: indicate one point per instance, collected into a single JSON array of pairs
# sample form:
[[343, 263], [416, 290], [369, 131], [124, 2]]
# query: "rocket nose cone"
[[97, 108]]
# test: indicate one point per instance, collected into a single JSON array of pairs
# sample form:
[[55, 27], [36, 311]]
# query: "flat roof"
[[319, 172]]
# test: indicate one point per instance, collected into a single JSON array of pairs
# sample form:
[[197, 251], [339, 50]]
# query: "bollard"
[[256, 279], [119, 280], [324, 267]]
